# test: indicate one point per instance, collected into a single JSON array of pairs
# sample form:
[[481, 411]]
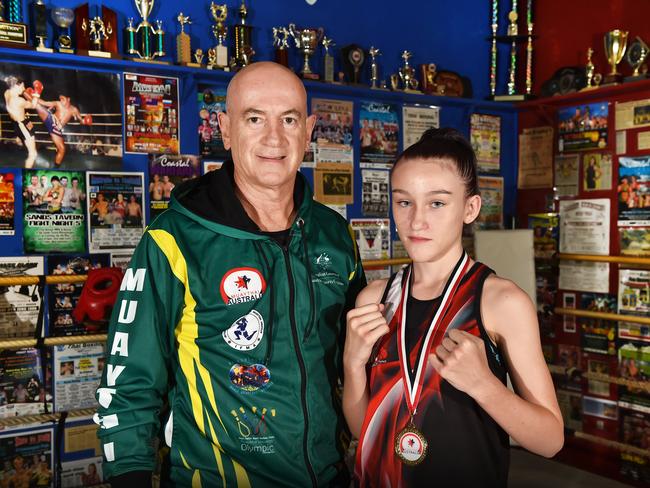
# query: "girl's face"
[[430, 207]]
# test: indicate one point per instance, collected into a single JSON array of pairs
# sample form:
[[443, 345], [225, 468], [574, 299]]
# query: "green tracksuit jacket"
[[243, 337]]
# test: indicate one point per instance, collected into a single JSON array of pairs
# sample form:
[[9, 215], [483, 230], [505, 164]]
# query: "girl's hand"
[[365, 325]]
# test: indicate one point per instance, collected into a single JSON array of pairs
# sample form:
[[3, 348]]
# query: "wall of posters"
[[491, 216], [77, 371], [7, 204], [374, 192], [76, 124], [567, 168], [379, 134], [332, 136], [53, 214], [416, 119], [585, 226], [535, 158], [597, 171], [19, 304], [373, 237], [583, 127], [634, 191], [485, 137], [63, 297], [115, 218], [165, 172], [152, 114], [211, 101], [584, 276], [333, 183], [23, 390], [634, 291], [26, 458]]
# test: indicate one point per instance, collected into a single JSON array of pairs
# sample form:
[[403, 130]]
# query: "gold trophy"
[[374, 68], [98, 32], [218, 55], [593, 78], [615, 44], [405, 75], [328, 60], [183, 46], [307, 41], [637, 53]]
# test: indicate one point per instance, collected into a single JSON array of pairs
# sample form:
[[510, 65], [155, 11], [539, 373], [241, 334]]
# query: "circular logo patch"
[[246, 332], [241, 285], [250, 378]]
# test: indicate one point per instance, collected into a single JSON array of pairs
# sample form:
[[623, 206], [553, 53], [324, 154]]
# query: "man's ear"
[[472, 208], [310, 124], [224, 126]]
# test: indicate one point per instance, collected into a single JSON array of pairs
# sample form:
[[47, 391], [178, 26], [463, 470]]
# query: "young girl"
[[427, 351]]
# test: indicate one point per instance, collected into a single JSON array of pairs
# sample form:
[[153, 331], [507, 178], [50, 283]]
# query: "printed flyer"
[[152, 114], [115, 218], [373, 237], [379, 134], [634, 191], [7, 204], [77, 371], [19, 304], [211, 102], [491, 216], [26, 458], [583, 127], [417, 119], [165, 172], [53, 213], [485, 137], [584, 226], [23, 390], [374, 192]]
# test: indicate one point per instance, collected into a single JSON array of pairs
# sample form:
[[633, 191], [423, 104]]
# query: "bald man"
[[226, 336]]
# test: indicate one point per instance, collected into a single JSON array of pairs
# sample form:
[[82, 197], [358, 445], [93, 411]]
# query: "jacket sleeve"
[[139, 347], [357, 280]]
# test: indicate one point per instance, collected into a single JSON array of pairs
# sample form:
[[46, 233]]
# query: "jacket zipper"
[[301, 364]]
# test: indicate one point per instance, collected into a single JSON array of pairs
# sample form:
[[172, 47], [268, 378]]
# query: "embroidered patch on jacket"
[[249, 379], [241, 285], [246, 332]]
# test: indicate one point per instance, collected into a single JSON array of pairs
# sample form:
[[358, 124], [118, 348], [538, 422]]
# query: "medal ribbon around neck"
[[414, 390]]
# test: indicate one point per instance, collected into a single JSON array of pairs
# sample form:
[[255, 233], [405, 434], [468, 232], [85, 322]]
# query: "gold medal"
[[411, 445]]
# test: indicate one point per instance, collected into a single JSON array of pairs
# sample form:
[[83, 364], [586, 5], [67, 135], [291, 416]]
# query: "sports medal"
[[410, 443]]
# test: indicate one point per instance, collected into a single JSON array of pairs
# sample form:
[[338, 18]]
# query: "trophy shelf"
[[205, 76]]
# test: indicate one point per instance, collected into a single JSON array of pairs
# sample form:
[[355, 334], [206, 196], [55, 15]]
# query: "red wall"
[[566, 28]]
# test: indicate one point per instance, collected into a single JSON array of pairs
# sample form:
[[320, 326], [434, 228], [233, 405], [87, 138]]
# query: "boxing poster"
[[7, 204], [53, 211], [82, 473], [59, 118], [165, 172], [26, 458], [583, 127], [23, 390], [584, 226], [491, 216], [115, 217], [19, 304], [485, 137], [332, 135], [77, 371], [379, 134], [63, 297], [374, 193], [152, 114], [80, 454], [211, 102], [567, 168], [333, 183], [418, 119], [373, 237], [634, 191]]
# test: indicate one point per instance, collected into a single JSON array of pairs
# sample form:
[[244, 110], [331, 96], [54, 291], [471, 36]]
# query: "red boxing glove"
[[29, 93], [87, 119], [38, 87]]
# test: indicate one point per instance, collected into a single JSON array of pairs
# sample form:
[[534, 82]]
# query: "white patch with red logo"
[[241, 285]]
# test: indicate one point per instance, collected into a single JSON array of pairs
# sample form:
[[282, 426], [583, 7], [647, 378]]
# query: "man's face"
[[266, 127], [64, 181], [34, 180]]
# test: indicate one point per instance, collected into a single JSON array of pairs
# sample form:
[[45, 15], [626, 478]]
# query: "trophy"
[[13, 32], [307, 41], [636, 56], [428, 82], [63, 18], [374, 69], [218, 55], [198, 57], [243, 40], [40, 26], [405, 75], [593, 78], [183, 46], [328, 60], [97, 31], [615, 44], [352, 59], [512, 38], [145, 33], [281, 44]]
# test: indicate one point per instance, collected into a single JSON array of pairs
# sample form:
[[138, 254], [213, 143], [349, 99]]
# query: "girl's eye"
[[437, 204], [403, 203]]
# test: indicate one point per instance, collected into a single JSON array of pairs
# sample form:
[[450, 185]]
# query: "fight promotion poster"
[[332, 136], [115, 218], [211, 101], [59, 118], [53, 212], [485, 137], [379, 134], [7, 204], [23, 390], [634, 191], [63, 297], [151, 109], [26, 458], [491, 216], [165, 172], [583, 127], [77, 371], [19, 304]]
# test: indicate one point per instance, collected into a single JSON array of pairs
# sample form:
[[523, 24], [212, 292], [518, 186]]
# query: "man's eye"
[[290, 120], [254, 120]]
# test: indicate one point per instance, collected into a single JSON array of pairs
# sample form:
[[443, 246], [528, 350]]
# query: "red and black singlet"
[[465, 446]]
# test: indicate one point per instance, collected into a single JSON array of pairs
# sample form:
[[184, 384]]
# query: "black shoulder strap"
[[389, 283]]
